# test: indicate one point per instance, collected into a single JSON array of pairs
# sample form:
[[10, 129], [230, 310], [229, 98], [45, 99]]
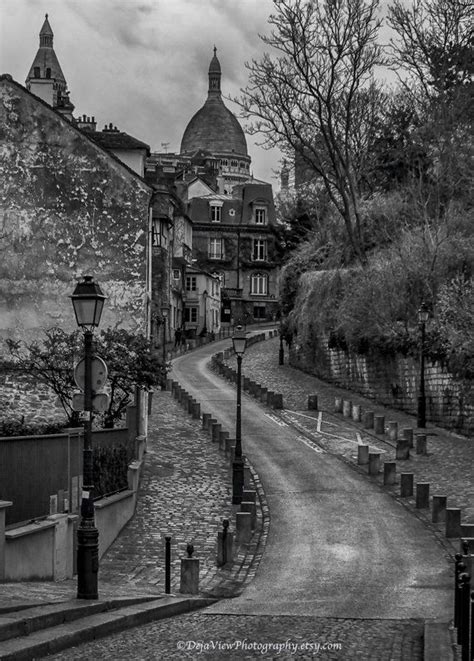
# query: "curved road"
[[338, 546]]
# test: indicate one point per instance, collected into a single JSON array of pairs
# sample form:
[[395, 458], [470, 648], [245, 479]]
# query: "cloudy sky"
[[142, 64]]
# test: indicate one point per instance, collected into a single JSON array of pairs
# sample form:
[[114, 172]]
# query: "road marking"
[[277, 420], [310, 444], [320, 419], [310, 417]]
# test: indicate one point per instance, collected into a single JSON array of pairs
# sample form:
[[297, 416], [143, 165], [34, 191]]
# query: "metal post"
[[464, 615], [87, 533], [421, 421], [167, 565], [281, 354], [238, 463], [459, 567]]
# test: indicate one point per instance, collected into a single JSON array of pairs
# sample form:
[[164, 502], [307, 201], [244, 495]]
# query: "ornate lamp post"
[[239, 341], [164, 316], [88, 302], [423, 316]]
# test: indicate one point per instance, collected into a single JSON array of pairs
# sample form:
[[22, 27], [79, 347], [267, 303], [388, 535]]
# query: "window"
[[191, 315], [259, 311], [190, 283], [176, 274], [260, 216], [215, 249], [234, 164], [259, 284], [259, 250], [48, 72], [36, 72], [216, 213]]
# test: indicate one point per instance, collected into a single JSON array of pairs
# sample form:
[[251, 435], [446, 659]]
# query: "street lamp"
[[239, 341], [88, 302], [281, 353], [423, 316], [164, 314]]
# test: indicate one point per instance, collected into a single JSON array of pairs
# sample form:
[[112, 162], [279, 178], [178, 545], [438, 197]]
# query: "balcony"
[[231, 292]]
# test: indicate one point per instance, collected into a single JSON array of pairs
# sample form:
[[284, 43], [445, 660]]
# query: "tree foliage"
[[129, 359]]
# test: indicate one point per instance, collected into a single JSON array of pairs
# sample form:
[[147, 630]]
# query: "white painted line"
[[320, 419], [277, 420], [310, 445], [359, 438]]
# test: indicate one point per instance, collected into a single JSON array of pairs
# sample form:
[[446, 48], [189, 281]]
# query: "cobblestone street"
[[201, 636]]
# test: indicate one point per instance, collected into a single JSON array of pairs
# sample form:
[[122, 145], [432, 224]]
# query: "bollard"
[[215, 431], [422, 499], [223, 436], [453, 522], [338, 405], [369, 420], [196, 412], [406, 485], [362, 455], [225, 540], [407, 435], [169, 385], [205, 420], [356, 412], [467, 529], [420, 444], [379, 424], [346, 408], [191, 402], [251, 508], [249, 496], [374, 463], [247, 477], [167, 564], [243, 522], [189, 572], [459, 567], [246, 383], [393, 431], [389, 472], [402, 452], [277, 401], [270, 395], [312, 402], [229, 443], [263, 394], [438, 513]]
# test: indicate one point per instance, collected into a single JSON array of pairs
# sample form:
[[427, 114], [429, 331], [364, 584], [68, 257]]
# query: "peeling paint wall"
[[67, 208]]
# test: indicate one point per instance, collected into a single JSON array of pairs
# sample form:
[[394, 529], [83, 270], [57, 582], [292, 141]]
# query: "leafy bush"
[[20, 428]]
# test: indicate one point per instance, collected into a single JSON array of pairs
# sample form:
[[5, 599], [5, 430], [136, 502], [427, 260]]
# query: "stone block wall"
[[393, 381], [34, 403]]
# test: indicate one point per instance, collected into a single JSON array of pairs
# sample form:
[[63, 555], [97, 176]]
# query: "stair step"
[[85, 628], [26, 621]]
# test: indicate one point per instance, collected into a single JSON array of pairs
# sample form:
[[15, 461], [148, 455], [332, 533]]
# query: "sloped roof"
[[117, 140]]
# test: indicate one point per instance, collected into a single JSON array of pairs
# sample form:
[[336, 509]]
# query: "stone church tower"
[[45, 78]]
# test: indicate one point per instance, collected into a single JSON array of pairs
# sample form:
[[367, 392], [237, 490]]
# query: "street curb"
[[63, 636]]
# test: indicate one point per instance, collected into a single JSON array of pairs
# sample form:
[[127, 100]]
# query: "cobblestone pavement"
[[448, 465], [202, 636], [185, 492]]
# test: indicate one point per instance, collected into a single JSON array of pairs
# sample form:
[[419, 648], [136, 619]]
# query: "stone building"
[[67, 208]]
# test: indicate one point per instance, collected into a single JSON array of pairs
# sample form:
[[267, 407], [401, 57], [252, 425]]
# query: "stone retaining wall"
[[393, 381], [22, 398]]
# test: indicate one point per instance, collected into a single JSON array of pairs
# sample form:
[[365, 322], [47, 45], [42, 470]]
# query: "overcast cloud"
[[142, 64]]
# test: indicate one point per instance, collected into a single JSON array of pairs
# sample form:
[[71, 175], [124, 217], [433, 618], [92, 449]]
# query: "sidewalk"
[[185, 492], [448, 466]]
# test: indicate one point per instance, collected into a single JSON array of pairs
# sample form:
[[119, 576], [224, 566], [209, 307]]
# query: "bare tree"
[[315, 95], [434, 44]]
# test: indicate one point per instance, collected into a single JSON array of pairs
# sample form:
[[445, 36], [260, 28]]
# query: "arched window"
[[259, 284]]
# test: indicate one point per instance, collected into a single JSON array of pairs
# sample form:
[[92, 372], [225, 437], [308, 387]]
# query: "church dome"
[[214, 127]]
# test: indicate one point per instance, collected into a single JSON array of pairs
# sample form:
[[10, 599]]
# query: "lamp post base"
[[87, 562], [237, 480]]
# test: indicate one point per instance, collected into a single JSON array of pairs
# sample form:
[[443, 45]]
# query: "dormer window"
[[215, 211], [48, 72], [260, 216], [36, 72]]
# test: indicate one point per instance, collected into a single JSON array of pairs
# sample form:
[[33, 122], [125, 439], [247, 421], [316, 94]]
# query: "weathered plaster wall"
[[67, 208]]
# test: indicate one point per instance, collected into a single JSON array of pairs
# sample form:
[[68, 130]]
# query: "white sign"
[[98, 373]]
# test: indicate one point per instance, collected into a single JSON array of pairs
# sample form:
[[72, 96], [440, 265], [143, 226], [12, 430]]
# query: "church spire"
[[215, 75], [46, 34]]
